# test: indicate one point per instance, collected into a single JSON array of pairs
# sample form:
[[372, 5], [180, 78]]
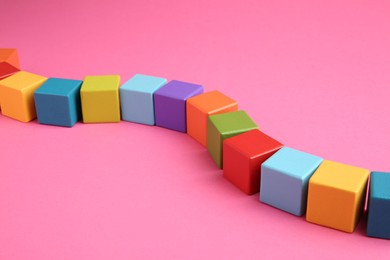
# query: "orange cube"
[[200, 107], [336, 195], [9, 62], [17, 95], [10, 56]]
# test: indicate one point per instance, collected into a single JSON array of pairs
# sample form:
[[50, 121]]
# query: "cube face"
[[57, 102], [17, 95], [378, 224], [336, 195], [200, 107], [137, 98], [282, 192], [285, 177], [223, 126], [170, 104], [333, 208], [242, 157], [100, 99], [13, 104], [214, 143], [237, 169]]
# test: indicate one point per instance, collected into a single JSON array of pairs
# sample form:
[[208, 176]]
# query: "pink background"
[[313, 74]]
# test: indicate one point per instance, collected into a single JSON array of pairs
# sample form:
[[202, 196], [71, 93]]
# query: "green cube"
[[223, 126]]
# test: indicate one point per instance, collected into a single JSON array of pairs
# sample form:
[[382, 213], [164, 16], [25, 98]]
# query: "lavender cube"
[[170, 104]]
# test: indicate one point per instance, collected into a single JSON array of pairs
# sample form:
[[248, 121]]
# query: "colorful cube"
[[9, 62], [200, 107], [336, 195], [378, 224], [243, 155], [170, 104], [17, 95], [136, 97], [100, 99], [223, 126], [57, 102], [285, 178], [7, 70]]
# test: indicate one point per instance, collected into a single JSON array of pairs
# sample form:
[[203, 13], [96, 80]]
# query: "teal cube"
[[136, 97], [57, 102], [378, 223]]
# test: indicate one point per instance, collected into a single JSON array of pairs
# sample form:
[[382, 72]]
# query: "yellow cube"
[[17, 95], [100, 99], [337, 195]]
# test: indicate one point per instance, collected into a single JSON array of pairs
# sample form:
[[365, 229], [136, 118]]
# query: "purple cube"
[[170, 104]]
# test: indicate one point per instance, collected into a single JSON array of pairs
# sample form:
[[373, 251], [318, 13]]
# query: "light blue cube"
[[136, 97], [285, 177], [57, 102]]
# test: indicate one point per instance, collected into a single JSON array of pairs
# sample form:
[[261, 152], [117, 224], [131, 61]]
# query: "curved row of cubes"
[[329, 193]]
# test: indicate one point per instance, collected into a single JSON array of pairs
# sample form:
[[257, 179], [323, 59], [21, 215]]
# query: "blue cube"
[[378, 224], [136, 97], [57, 102], [285, 177]]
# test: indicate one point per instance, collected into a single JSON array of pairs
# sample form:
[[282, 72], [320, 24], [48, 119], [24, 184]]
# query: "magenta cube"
[[170, 104]]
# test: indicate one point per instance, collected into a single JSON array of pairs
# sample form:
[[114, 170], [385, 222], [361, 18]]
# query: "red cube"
[[242, 157]]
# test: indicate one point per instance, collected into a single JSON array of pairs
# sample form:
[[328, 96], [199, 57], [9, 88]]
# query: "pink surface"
[[313, 74]]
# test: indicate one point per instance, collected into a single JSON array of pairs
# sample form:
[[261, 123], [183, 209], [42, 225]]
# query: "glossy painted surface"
[[223, 126], [200, 107], [136, 97], [10, 56], [285, 178], [170, 104], [100, 99], [243, 155], [337, 195], [378, 223], [17, 95], [57, 102]]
